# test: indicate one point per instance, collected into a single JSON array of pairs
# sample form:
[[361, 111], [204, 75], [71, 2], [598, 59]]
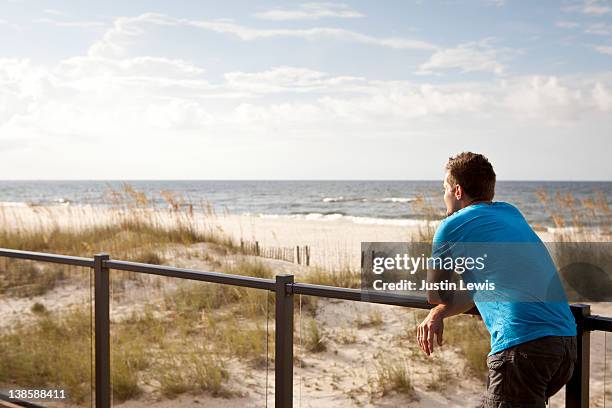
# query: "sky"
[[304, 90]]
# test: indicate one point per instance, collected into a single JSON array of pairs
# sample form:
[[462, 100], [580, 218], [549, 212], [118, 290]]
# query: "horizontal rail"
[[44, 257], [358, 295], [193, 274], [598, 323]]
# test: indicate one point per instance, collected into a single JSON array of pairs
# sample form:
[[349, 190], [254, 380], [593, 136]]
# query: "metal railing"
[[576, 390]]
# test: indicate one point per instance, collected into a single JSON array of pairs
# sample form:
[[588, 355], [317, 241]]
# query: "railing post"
[[577, 389], [102, 332], [283, 363]]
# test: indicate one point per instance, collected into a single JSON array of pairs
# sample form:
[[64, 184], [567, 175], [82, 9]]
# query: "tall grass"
[[572, 217], [345, 277], [182, 345], [393, 376], [470, 336], [131, 231], [50, 351]]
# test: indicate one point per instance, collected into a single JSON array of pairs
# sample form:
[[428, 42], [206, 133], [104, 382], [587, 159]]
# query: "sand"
[[338, 377]]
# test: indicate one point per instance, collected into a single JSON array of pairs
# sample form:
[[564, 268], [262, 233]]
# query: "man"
[[533, 343]]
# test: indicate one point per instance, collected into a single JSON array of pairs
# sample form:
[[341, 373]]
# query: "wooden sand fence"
[[298, 254]]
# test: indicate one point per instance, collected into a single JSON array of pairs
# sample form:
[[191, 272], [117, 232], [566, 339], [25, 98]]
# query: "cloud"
[[567, 24], [127, 29], [595, 7], [150, 97], [311, 11], [604, 49], [602, 97], [468, 57], [544, 98], [599, 29], [76, 24], [291, 79], [10, 25], [313, 34], [137, 107]]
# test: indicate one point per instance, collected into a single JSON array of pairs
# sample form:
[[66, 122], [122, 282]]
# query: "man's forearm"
[[460, 302]]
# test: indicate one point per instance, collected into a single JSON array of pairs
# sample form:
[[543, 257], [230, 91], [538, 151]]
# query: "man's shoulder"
[[470, 217]]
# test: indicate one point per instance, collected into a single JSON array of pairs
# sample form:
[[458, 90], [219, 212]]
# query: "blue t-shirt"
[[528, 300]]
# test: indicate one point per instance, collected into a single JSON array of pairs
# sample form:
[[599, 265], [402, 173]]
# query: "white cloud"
[[599, 29], [151, 67], [124, 29], [597, 7], [602, 97], [141, 106], [317, 33], [604, 49], [548, 99], [467, 57], [127, 29], [291, 79], [76, 24], [311, 11], [9, 24], [118, 98], [567, 24]]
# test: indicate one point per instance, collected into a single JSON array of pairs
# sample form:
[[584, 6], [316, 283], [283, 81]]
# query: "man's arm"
[[449, 303]]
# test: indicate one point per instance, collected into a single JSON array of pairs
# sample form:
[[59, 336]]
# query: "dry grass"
[[424, 207], [134, 233], [393, 376], [27, 278], [373, 319], [345, 278], [573, 216], [470, 336], [52, 350], [314, 340], [162, 344]]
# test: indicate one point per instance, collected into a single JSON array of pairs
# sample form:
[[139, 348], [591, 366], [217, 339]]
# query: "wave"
[[14, 204], [398, 200], [595, 229], [57, 201], [404, 222], [334, 216], [342, 199]]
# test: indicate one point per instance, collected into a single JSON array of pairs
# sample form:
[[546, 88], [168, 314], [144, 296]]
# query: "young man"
[[533, 343]]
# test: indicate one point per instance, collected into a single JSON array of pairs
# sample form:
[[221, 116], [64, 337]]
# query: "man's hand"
[[433, 325]]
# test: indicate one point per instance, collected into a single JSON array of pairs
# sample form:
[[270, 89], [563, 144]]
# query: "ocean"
[[391, 202]]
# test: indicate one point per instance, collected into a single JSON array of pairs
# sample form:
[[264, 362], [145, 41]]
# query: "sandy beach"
[[344, 374]]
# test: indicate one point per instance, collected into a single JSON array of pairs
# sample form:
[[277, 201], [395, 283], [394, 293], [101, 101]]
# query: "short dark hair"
[[474, 173]]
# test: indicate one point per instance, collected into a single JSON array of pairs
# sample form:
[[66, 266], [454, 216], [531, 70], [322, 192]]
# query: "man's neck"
[[477, 201]]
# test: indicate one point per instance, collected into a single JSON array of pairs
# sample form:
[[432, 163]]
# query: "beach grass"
[[161, 343], [392, 376]]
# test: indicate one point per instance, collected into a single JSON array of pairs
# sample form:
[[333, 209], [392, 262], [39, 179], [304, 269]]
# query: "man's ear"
[[458, 192]]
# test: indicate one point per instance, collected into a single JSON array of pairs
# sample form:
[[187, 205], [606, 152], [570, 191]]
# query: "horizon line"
[[340, 179]]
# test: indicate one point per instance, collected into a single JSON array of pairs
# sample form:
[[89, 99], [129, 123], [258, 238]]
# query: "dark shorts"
[[527, 374]]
